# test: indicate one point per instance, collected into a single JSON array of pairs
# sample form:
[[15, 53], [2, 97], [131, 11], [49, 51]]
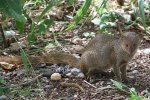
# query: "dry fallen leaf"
[[7, 66]]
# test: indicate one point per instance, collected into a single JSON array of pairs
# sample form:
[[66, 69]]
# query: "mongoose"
[[102, 52]]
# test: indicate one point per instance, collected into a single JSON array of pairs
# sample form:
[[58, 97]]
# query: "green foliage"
[[25, 61], [102, 8], [71, 2], [80, 14], [41, 25], [50, 5], [3, 90], [2, 81], [107, 20], [44, 25], [13, 8], [21, 92], [141, 12], [134, 95], [131, 91], [119, 85]]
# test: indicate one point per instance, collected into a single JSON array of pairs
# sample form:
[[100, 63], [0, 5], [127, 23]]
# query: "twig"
[[27, 82], [103, 88], [90, 84], [100, 90], [72, 85]]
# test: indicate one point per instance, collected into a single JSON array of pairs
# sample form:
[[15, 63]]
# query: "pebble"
[[80, 75], [146, 51], [3, 97], [135, 71], [48, 87], [75, 96], [55, 76], [75, 71], [131, 77], [44, 79], [68, 74], [77, 41], [63, 70]]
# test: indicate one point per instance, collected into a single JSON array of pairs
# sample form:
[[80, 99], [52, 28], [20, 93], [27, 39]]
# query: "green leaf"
[[96, 21], [20, 26], [3, 90], [133, 95], [25, 61], [141, 11], [50, 5], [2, 81], [80, 14], [50, 45], [31, 37], [14, 9], [41, 28], [44, 25], [119, 85], [102, 7]]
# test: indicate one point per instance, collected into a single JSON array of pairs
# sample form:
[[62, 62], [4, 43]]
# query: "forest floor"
[[102, 88], [37, 84]]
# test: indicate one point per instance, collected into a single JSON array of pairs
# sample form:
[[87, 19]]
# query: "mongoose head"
[[130, 42]]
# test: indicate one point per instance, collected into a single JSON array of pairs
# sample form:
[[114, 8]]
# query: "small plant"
[[133, 95], [3, 89], [80, 14]]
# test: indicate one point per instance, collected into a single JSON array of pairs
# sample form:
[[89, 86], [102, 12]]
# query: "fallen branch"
[[72, 85]]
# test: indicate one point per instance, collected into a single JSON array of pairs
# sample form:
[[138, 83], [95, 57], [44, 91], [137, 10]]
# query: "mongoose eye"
[[127, 45]]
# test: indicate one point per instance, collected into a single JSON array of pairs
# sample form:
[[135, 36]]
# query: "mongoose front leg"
[[116, 70], [123, 72]]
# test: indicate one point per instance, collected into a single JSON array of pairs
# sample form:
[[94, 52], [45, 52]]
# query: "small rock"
[[75, 96], [55, 76], [135, 71], [63, 70], [19, 73], [44, 79], [146, 51], [131, 77], [80, 75], [3, 97], [77, 41], [109, 83], [66, 79], [68, 74], [48, 87], [75, 71]]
